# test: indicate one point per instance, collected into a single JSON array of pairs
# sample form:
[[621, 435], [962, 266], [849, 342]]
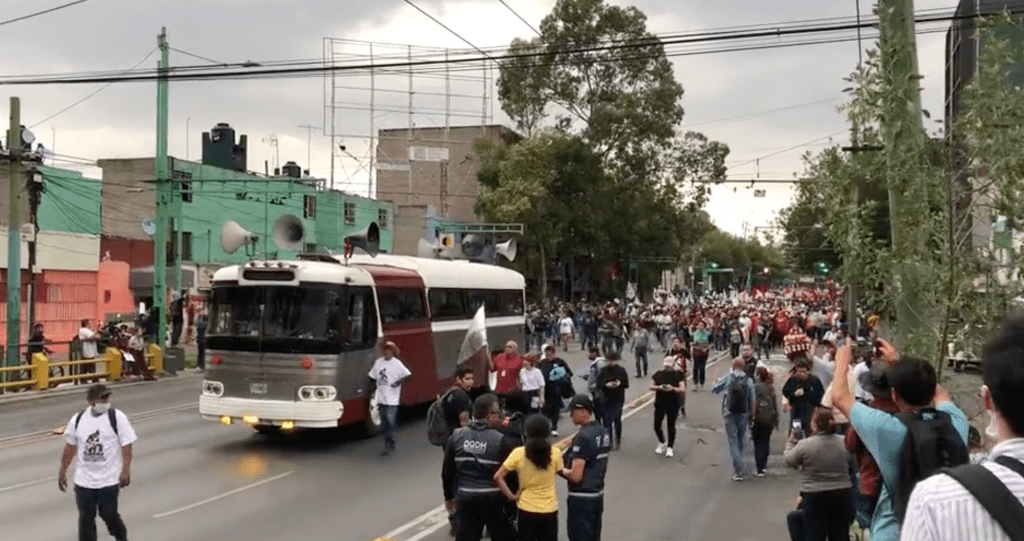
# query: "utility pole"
[[14, 234], [902, 132], [162, 194], [35, 193]]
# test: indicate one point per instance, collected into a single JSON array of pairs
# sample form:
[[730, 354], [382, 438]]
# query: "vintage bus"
[[290, 343]]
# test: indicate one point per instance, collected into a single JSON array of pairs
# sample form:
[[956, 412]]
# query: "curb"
[[80, 389]]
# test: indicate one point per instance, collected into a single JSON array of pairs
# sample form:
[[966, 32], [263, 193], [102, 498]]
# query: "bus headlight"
[[317, 393], [213, 388]]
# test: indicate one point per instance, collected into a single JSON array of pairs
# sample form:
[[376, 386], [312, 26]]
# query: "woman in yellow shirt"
[[536, 463]]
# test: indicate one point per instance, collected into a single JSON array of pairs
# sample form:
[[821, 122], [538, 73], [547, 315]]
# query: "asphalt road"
[[193, 479]]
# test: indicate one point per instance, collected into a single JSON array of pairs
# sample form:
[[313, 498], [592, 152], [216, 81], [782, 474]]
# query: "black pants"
[[538, 526], [641, 361], [613, 418], [824, 516], [472, 515], [699, 366], [584, 518], [762, 436], [104, 500], [734, 349], [669, 413], [201, 350], [552, 409], [598, 408]]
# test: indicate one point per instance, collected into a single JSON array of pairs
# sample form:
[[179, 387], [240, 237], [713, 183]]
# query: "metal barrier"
[[37, 375]]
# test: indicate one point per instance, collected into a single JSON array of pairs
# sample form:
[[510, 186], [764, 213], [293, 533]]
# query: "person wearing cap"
[[101, 439], [586, 461], [389, 373]]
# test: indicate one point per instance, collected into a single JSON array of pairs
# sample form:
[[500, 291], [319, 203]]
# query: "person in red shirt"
[[506, 367]]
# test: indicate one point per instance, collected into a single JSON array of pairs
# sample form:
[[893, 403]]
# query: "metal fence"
[[41, 371]]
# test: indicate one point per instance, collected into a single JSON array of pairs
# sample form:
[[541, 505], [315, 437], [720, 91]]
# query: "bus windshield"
[[304, 319]]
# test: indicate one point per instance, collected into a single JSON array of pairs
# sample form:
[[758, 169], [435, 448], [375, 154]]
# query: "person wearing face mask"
[[100, 440], [976, 502]]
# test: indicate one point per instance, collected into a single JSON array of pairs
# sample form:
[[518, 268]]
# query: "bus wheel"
[[372, 423], [267, 429]]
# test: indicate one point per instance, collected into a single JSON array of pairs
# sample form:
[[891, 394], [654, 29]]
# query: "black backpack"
[[1002, 505], [765, 413], [110, 415], [738, 401], [437, 427], [932, 443]]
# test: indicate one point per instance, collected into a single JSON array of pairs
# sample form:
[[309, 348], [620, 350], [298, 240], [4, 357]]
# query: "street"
[[199, 480]]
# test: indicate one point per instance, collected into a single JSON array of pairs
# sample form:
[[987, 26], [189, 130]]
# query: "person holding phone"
[[668, 385]]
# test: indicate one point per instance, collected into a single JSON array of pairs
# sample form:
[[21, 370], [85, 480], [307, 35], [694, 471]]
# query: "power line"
[[454, 33], [760, 113], [199, 57], [790, 149], [44, 12], [437, 63], [535, 31], [97, 91]]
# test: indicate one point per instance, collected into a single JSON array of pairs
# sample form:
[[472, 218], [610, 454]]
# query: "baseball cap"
[[581, 401], [876, 380], [97, 392]]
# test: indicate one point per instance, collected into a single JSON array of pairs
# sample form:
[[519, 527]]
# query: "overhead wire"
[[93, 93], [654, 41], [520, 17], [43, 12]]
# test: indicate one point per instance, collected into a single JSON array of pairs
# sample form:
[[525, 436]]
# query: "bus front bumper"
[[323, 414]]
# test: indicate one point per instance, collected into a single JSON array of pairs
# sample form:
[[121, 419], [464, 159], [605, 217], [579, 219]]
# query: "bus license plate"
[[258, 388]]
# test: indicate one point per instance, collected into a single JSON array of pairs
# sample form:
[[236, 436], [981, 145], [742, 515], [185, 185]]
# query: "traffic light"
[[712, 265]]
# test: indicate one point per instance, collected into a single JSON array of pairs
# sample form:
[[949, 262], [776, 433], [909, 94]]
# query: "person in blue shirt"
[[736, 421], [913, 386]]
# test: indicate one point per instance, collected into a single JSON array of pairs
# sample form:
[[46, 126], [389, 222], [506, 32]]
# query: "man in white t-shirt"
[[88, 338], [389, 373], [101, 438], [566, 328]]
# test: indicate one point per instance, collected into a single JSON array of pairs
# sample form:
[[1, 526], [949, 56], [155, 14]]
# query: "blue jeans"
[[641, 361], [613, 418], [388, 422], [736, 433]]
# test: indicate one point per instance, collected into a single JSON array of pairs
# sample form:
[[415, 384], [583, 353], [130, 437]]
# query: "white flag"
[[476, 337]]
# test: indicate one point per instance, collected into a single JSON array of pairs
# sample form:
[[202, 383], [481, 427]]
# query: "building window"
[[310, 247], [309, 206], [382, 218], [185, 188], [186, 246], [350, 213]]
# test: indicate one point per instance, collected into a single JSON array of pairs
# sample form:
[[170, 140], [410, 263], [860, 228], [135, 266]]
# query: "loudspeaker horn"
[[473, 246], [507, 249], [427, 249], [367, 239], [233, 236], [288, 233]]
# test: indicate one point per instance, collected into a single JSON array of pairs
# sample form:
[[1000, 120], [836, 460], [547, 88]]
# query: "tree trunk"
[[543, 273]]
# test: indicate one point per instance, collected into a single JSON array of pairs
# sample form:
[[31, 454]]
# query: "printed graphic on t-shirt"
[[382, 377], [93, 448]]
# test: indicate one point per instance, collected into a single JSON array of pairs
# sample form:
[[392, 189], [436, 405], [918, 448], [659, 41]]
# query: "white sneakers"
[[661, 448], [554, 433], [669, 452]]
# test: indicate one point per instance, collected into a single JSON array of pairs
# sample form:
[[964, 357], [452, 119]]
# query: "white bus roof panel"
[[450, 273], [307, 271]]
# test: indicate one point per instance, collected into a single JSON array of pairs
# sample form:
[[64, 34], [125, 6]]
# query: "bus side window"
[[360, 327]]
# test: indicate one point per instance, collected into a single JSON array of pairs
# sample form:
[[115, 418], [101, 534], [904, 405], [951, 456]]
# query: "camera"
[[798, 429]]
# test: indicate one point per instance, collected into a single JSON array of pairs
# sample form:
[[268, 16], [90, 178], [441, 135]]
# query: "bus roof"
[[436, 273]]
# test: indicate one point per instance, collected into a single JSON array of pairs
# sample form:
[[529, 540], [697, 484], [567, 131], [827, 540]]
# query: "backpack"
[[111, 415], [1002, 505], [765, 413], [738, 394], [931, 444], [437, 426]]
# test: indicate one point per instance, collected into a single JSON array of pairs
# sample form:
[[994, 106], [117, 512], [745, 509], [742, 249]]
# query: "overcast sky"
[[119, 121]]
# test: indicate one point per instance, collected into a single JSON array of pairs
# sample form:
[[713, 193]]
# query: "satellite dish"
[[148, 226], [233, 236]]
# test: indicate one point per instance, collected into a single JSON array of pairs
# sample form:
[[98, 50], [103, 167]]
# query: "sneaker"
[[660, 449], [554, 433], [669, 452], [737, 477], [760, 474]]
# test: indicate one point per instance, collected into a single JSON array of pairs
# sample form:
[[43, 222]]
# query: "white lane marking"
[[439, 516], [32, 437], [28, 484], [221, 496]]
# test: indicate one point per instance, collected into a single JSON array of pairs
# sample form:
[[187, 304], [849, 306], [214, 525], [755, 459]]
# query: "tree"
[[597, 65]]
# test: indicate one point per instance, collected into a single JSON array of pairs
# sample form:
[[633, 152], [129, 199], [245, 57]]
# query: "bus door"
[[401, 303]]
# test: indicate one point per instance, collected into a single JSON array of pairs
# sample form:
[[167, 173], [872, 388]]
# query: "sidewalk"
[[66, 389]]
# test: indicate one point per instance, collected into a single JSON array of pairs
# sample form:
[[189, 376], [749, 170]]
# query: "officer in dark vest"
[[471, 456]]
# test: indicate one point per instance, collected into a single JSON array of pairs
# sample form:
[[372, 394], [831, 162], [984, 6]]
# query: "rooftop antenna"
[[272, 139]]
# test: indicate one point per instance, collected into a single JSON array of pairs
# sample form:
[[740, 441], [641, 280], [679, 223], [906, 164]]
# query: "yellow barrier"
[[156, 354], [39, 370]]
